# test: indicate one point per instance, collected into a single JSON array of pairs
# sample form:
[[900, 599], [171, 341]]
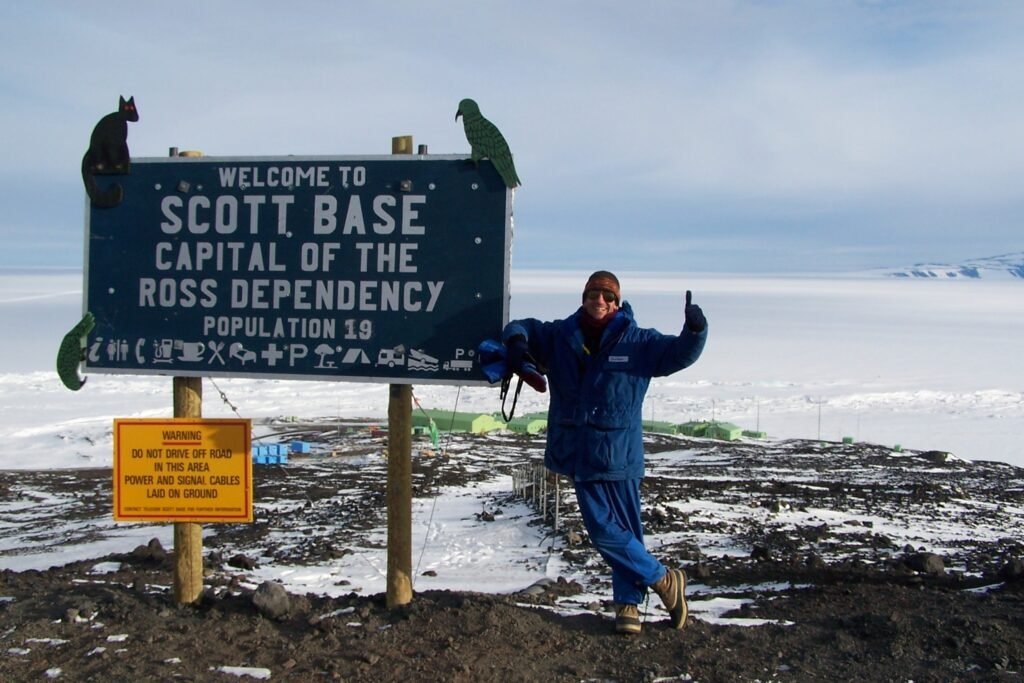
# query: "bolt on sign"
[[183, 470], [389, 268]]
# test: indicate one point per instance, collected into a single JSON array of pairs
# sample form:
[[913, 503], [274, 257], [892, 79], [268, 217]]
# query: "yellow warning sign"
[[183, 470]]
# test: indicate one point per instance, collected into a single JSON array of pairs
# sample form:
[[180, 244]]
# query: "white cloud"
[[805, 103]]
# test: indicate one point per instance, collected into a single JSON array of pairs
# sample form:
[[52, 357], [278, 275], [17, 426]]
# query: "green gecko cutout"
[[72, 352]]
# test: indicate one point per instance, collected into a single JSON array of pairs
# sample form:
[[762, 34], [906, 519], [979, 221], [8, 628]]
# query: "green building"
[[531, 423], [457, 422], [660, 427], [723, 431], [693, 428]]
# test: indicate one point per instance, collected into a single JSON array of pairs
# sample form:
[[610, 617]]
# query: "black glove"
[[519, 361], [516, 350], [695, 319]]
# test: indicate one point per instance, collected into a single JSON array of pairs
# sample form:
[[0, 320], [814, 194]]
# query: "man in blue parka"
[[599, 363]]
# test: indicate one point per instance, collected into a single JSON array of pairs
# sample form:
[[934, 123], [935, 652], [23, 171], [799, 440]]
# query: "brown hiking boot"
[[670, 589], [627, 619]]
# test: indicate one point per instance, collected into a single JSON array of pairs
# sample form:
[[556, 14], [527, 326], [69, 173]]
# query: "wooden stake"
[[399, 488], [401, 144], [399, 495], [188, 536]]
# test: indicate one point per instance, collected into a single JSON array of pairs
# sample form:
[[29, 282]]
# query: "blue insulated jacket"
[[595, 429]]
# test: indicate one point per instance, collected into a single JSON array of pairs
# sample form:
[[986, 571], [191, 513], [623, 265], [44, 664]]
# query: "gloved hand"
[[531, 375], [515, 350], [695, 319], [519, 361]]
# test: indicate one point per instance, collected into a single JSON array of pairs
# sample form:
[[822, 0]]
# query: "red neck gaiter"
[[592, 329]]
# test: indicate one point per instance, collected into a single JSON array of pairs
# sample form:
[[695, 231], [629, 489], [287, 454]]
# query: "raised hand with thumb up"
[[695, 319]]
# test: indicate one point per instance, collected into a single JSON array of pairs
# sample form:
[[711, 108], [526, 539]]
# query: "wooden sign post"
[[188, 536], [399, 487]]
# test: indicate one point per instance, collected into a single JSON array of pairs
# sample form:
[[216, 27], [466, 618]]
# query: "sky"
[[732, 136]]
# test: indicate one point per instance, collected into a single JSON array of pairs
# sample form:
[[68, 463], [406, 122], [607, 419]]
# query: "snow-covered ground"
[[924, 364]]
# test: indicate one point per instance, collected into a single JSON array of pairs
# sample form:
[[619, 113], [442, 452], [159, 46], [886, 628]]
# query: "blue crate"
[[300, 447], [270, 459]]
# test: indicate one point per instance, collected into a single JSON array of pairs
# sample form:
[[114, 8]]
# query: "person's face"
[[599, 302]]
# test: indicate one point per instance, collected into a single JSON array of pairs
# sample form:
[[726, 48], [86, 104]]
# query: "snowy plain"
[[921, 363]]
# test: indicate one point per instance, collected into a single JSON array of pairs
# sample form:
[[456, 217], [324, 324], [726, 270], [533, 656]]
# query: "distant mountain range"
[[1005, 266]]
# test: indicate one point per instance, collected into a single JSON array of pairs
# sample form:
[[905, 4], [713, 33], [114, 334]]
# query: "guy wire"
[[224, 397], [444, 453]]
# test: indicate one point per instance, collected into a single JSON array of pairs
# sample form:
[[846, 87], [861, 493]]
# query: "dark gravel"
[[852, 601]]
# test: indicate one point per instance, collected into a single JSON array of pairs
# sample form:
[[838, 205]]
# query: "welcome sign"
[[388, 268]]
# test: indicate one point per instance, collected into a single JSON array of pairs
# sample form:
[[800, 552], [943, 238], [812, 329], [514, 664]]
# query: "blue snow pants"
[[611, 514]]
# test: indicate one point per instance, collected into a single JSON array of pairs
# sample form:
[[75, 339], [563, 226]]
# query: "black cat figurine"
[[108, 154]]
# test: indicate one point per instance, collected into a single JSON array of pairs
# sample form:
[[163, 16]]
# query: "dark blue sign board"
[[382, 269]]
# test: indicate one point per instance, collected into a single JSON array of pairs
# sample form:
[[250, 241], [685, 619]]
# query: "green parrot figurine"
[[72, 352], [486, 141]]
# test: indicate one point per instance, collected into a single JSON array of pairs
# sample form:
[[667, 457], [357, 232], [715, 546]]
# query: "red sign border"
[[178, 421]]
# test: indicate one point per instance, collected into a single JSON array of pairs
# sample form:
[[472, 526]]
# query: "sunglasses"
[[607, 294]]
